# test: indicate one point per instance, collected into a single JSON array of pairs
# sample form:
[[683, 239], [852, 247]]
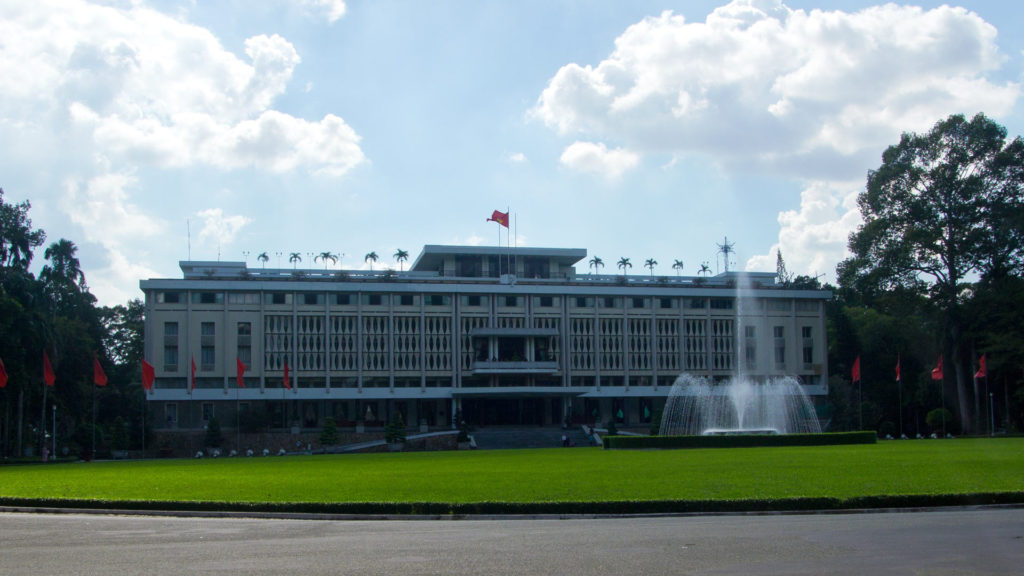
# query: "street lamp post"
[[54, 429], [992, 414]]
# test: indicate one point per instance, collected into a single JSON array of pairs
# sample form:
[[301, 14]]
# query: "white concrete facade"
[[458, 334]]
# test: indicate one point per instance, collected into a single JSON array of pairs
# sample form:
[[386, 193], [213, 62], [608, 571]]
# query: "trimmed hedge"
[[738, 440], [534, 508]]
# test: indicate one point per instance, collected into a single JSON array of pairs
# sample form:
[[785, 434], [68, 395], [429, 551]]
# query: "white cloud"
[[814, 238], [218, 228], [598, 159], [517, 158], [760, 85], [151, 89], [331, 9], [106, 216]]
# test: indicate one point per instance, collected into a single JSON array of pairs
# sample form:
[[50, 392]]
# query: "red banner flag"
[[148, 375], [855, 373], [240, 368], [898, 375], [48, 376], [982, 371], [499, 217], [287, 382], [98, 376], [937, 371], [3, 375], [193, 375]]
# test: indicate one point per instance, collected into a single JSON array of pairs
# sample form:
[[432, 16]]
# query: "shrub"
[[656, 423], [739, 440], [329, 434], [934, 420], [213, 437], [394, 432], [612, 429]]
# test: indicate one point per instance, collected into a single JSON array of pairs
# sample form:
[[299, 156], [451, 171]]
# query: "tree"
[[677, 266], [325, 256], [295, 258], [329, 433], [943, 206], [371, 258], [704, 269], [401, 256], [213, 436], [596, 263], [394, 432], [650, 263], [624, 263], [17, 238], [263, 258], [782, 276]]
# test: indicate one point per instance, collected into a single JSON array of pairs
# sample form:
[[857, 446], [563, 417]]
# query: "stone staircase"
[[497, 437]]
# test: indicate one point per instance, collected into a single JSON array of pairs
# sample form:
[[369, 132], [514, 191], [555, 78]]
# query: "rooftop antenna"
[[725, 248], [188, 224]]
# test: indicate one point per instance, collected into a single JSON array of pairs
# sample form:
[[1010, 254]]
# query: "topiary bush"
[[329, 433], [213, 437], [394, 432]]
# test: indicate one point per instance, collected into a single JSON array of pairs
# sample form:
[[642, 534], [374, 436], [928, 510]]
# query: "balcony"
[[482, 367]]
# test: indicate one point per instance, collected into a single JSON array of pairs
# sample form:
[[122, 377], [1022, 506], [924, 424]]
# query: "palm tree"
[[704, 269], [596, 263], [624, 263], [325, 256], [294, 258], [263, 257], [677, 266], [650, 263], [371, 258], [401, 256], [64, 264]]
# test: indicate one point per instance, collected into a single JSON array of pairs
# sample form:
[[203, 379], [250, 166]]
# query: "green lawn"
[[552, 475]]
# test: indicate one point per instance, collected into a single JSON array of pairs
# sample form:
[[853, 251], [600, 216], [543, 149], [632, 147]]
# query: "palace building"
[[495, 336]]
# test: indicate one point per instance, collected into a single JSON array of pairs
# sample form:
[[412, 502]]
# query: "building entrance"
[[511, 411]]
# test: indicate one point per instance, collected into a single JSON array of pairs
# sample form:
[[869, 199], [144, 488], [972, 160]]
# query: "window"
[[243, 298], [696, 304], [372, 299], [342, 299], [207, 298], [776, 305], [609, 303], [406, 300], [168, 297], [436, 300], [207, 411], [473, 300], [511, 301], [808, 346], [750, 347], [666, 303], [170, 346], [582, 302], [639, 302], [312, 299], [278, 298], [208, 350], [722, 303], [171, 415], [806, 305], [245, 342], [547, 301], [780, 347]]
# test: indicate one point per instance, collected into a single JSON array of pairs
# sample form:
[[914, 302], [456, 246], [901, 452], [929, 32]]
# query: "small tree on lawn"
[[213, 436], [394, 432], [329, 434]]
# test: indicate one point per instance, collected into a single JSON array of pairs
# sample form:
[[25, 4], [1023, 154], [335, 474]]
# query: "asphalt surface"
[[961, 541]]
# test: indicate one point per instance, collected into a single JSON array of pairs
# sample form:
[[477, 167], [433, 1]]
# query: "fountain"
[[738, 406]]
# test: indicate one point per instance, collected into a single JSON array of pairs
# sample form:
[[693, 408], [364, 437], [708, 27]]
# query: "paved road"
[[939, 542]]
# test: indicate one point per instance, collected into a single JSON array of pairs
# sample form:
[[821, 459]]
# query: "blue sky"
[[632, 129]]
